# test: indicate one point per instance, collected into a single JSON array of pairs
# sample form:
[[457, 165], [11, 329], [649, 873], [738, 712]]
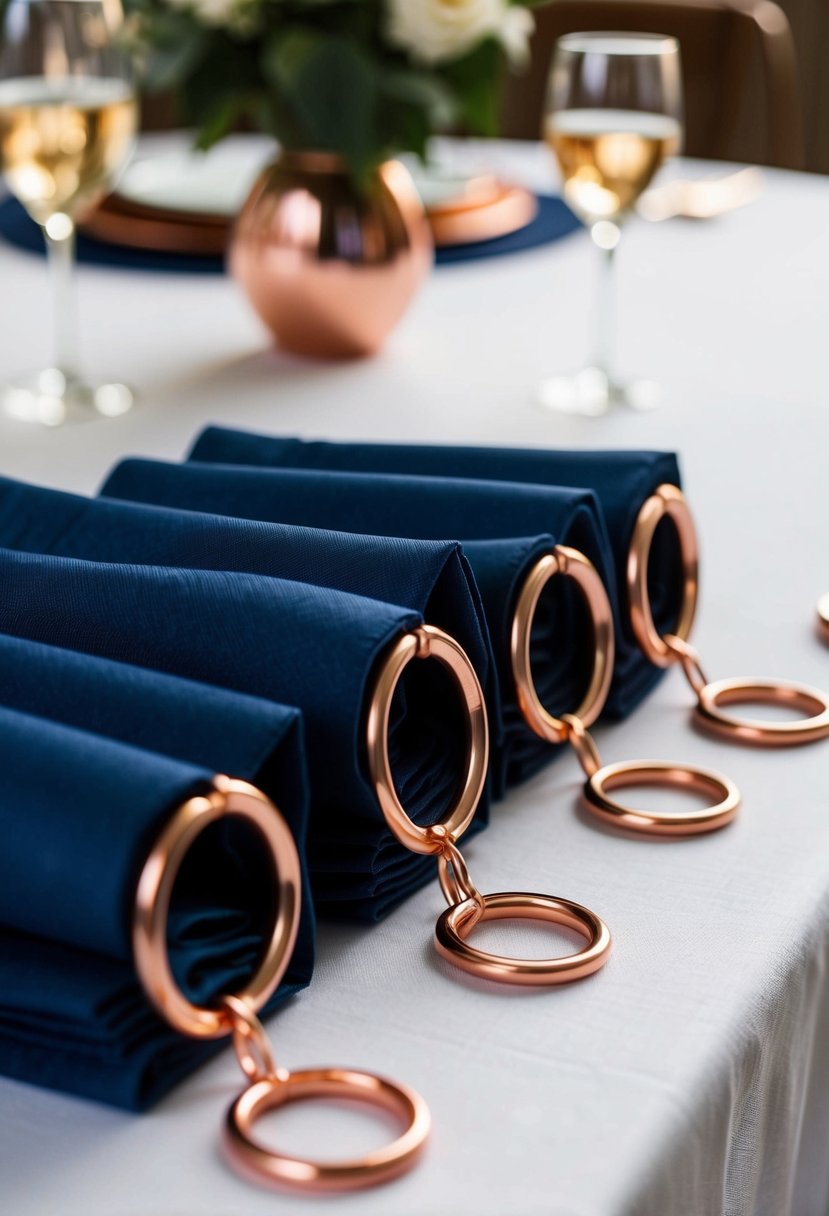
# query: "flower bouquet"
[[363, 79], [332, 243]]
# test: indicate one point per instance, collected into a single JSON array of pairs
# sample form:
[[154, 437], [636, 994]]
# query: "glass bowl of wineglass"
[[68, 120], [613, 115]]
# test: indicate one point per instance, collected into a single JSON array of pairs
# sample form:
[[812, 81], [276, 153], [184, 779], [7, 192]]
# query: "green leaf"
[[168, 66], [476, 83], [330, 87], [422, 90], [286, 54], [216, 125]]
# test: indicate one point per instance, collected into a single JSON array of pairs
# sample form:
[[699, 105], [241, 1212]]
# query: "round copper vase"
[[330, 267]]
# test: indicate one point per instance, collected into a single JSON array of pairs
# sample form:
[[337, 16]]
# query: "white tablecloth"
[[691, 1076]]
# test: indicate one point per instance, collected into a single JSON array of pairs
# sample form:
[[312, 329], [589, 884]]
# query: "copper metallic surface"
[[250, 1042], [823, 617], [583, 744], [121, 221], [690, 660], [680, 777], [801, 697], [668, 501], [487, 210], [262, 1164], [155, 886], [330, 268], [423, 643], [457, 922], [572, 564], [467, 904], [453, 875]]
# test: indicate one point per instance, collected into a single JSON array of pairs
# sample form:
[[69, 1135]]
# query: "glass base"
[[52, 397], [591, 392]]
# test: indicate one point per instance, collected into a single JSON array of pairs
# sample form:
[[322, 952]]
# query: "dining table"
[[690, 1076]]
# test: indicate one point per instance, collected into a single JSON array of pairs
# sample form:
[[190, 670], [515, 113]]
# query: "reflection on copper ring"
[[155, 886], [668, 501], [422, 643], [823, 617], [266, 1165], [457, 922], [800, 697], [680, 777], [569, 562]]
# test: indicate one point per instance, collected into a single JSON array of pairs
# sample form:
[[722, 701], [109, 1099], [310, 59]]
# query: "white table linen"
[[691, 1076]]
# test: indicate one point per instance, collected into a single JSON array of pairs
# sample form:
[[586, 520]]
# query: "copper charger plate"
[[120, 221], [488, 208]]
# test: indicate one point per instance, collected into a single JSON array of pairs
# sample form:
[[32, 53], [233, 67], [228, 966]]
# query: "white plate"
[[177, 178], [201, 183]]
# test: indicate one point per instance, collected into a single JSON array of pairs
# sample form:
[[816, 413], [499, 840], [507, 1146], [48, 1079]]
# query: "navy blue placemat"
[[553, 221]]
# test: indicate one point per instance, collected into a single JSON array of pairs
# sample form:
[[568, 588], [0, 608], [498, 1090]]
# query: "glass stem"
[[59, 232], [606, 237]]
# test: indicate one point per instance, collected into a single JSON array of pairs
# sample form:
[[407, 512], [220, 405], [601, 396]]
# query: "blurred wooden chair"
[[742, 97]]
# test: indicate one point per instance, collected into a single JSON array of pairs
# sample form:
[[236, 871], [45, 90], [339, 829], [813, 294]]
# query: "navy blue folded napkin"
[[504, 529], [622, 480], [79, 813], [289, 642], [553, 220], [433, 577]]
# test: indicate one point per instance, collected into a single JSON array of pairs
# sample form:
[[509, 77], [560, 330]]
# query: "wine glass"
[[68, 118], [613, 114]]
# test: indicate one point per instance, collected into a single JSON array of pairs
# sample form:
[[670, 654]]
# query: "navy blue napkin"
[[433, 577], [288, 642], [553, 220], [504, 529], [622, 480], [79, 814]]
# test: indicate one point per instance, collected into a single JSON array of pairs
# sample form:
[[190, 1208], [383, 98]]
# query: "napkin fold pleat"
[[432, 577], [504, 529], [284, 641], [622, 480]]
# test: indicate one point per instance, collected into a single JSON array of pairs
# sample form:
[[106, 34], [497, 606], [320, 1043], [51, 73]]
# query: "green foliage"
[[316, 74]]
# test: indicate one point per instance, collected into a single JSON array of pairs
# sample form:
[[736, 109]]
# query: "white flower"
[[434, 31], [228, 14]]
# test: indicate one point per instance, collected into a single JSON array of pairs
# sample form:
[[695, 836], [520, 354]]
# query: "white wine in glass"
[[614, 114], [68, 118]]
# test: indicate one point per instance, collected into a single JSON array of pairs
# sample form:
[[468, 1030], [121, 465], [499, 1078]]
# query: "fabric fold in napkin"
[[622, 480], [288, 642], [504, 529], [79, 814], [432, 577]]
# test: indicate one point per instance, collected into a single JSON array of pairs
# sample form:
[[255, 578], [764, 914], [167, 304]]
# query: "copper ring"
[[576, 566], [155, 886], [665, 500], [823, 617], [457, 922], [265, 1165], [671, 776], [802, 697], [423, 643]]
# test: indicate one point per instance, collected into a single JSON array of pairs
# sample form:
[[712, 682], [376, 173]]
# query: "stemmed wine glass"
[[68, 118], [613, 114]]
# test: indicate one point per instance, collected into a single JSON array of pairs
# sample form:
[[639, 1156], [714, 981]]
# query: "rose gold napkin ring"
[[269, 1086], [602, 780], [823, 617], [667, 501], [467, 906]]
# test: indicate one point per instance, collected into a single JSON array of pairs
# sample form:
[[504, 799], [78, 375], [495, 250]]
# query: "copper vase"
[[330, 266]]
